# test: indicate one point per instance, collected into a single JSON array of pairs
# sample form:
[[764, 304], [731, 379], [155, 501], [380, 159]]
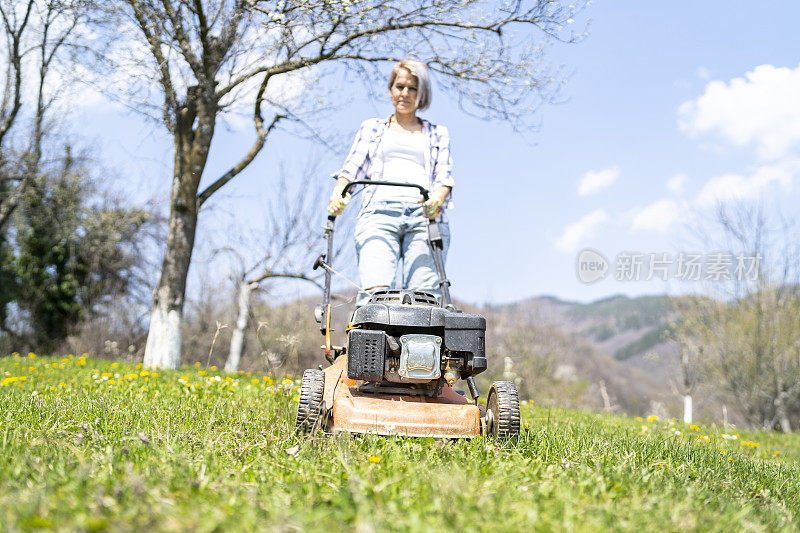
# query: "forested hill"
[[619, 341], [628, 329]]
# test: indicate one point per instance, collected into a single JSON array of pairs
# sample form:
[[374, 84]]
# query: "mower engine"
[[403, 342]]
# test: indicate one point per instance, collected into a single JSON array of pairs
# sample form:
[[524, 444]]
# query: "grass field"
[[94, 445]]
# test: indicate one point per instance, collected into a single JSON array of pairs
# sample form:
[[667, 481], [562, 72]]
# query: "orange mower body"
[[448, 415]]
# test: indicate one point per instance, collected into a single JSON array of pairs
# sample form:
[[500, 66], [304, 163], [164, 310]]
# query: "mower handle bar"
[[422, 190], [425, 193]]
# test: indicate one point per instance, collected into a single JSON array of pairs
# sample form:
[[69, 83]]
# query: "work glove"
[[433, 207], [337, 203]]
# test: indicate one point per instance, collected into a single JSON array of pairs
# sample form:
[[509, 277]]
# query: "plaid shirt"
[[438, 161]]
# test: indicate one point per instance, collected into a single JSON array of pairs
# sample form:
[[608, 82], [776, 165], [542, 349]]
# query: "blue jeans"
[[387, 231]]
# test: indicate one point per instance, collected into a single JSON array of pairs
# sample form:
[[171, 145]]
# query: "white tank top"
[[401, 156]]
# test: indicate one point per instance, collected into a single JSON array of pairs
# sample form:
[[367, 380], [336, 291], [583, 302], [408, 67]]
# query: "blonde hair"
[[417, 69]]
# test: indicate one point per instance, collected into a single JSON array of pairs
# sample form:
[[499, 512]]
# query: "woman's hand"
[[433, 207], [337, 203]]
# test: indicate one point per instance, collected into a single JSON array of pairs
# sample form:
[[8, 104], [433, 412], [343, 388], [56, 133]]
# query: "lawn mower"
[[405, 351]]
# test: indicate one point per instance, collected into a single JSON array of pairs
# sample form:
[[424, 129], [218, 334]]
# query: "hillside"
[[90, 445]]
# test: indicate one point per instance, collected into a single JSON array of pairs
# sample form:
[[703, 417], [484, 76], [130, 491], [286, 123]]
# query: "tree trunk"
[[243, 317], [780, 412], [193, 133], [163, 347]]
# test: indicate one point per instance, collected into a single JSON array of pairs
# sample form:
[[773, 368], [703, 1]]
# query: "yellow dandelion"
[[197, 364], [114, 365], [144, 373], [296, 399], [202, 373], [288, 381], [62, 385], [374, 459], [32, 355], [254, 381], [105, 375], [139, 366], [652, 418], [213, 369], [111, 381], [638, 418], [695, 428]]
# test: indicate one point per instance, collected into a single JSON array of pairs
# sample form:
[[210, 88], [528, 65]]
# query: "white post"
[[687, 409]]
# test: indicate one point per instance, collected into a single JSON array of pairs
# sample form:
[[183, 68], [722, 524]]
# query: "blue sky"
[[668, 105]]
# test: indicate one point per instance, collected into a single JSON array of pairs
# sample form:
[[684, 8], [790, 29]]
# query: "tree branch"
[[269, 274], [261, 137], [15, 59], [154, 41], [185, 43]]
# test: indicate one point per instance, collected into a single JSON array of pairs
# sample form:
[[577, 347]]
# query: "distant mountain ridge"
[[631, 331], [620, 326]]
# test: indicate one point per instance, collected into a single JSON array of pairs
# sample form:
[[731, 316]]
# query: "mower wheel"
[[309, 406], [502, 410]]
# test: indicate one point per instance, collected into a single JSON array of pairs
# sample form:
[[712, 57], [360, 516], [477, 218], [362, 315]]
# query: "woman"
[[392, 222]]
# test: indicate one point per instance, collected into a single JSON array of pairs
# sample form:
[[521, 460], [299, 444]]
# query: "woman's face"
[[404, 92]]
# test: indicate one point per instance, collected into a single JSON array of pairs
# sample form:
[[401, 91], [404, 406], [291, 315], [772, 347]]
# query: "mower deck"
[[449, 415]]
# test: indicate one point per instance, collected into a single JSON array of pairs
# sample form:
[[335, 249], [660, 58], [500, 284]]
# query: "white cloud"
[[677, 183], [658, 216], [597, 180], [782, 176], [761, 110], [576, 233]]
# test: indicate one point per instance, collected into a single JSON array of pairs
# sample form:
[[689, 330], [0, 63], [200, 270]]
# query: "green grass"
[[183, 451]]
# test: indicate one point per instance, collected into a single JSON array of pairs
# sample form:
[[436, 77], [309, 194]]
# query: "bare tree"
[[36, 34], [15, 19], [209, 56], [745, 337], [287, 247]]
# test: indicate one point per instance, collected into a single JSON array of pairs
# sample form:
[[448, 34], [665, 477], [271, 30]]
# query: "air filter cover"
[[366, 353]]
